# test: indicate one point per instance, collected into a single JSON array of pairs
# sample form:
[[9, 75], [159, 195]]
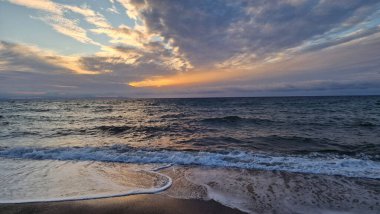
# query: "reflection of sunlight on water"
[[26, 180]]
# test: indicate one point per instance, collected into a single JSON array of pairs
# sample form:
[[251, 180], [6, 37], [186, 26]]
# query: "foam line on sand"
[[100, 196]]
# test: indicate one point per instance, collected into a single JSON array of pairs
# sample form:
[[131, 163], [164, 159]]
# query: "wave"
[[365, 124], [260, 121], [295, 144], [101, 109], [17, 133], [235, 119], [223, 119], [39, 110], [109, 130], [173, 116], [287, 144], [113, 129], [312, 163]]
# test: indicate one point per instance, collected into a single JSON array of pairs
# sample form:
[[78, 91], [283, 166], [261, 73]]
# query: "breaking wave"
[[316, 163]]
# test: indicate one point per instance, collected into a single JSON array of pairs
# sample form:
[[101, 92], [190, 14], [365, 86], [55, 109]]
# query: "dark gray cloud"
[[210, 31]]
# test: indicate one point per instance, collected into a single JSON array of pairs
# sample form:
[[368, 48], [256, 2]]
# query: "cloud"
[[314, 85], [113, 8], [67, 27], [29, 71], [259, 27], [126, 63], [43, 5], [23, 58], [224, 39], [124, 35], [328, 63], [279, 88], [153, 52], [90, 16], [148, 47], [55, 17], [214, 46], [132, 7]]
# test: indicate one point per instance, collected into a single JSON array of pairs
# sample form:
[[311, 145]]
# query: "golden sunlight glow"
[[185, 79]]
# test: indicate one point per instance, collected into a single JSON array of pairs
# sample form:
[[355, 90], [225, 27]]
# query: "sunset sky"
[[189, 48]]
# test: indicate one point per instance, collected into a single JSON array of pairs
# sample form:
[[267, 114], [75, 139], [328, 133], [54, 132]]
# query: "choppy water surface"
[[316, 135]]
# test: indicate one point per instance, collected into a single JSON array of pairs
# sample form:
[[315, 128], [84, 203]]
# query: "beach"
[[185, 106], [216, 190], [254, 155]]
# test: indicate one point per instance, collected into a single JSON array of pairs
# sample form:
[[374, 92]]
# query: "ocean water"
[[51, 144]]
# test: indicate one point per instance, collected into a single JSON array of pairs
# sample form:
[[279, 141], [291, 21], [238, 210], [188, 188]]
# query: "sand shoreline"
[[152, 203], [222, 190]]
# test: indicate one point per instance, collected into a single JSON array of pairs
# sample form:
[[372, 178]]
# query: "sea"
[[69, 149]]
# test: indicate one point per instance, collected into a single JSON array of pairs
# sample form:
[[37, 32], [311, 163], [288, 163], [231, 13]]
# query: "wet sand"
[[220, 190], [148, 204]]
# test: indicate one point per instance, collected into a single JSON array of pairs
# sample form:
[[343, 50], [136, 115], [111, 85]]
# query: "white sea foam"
[[62, 180], [318, 164], [273, 192]]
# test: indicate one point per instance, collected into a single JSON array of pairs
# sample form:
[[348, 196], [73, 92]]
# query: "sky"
[[189, 48]]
